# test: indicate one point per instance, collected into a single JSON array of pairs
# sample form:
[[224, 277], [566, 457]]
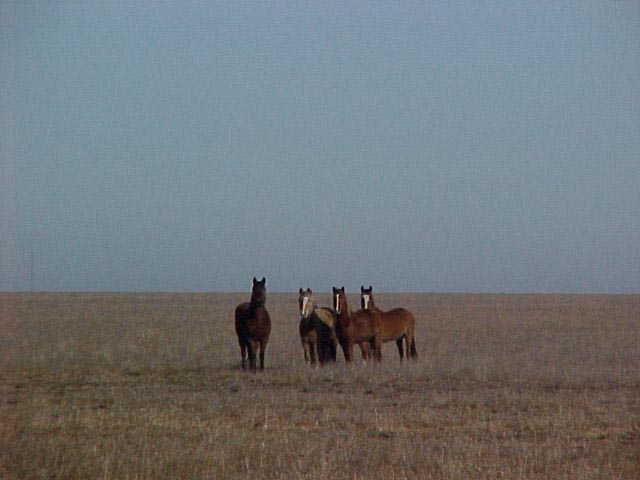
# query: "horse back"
[[396, 323], [326, 316], [326, 323], [364, 326]]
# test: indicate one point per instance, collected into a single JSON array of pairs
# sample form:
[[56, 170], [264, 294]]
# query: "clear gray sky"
[[480, 146]]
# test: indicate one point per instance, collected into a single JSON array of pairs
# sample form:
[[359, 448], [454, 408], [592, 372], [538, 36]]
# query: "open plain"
[[149, 386]]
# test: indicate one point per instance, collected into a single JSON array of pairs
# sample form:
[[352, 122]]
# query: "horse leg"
[[400, 347], [322, 352], [411, 345], [348, 352], [345, 350], [333, 350], [414, 352], [305, 347], [252, 354], [372, 349], [364, 350], [263, 347], [312, 351], [243, 354], [377, 348]]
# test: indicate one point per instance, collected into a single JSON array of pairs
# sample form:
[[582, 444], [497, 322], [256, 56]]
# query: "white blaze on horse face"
[[366, 301], [336, 302], [305, 302]]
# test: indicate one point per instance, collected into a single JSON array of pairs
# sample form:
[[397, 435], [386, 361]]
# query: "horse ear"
[[301, 291], [309, 290], [361, 288], [342, 288], [370, 288], [263, 281], [334, 289], [254, 280]]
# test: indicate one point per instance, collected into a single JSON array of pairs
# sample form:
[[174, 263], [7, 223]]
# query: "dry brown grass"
[[148, 386]]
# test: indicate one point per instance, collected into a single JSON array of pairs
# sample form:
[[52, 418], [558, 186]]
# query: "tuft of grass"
[[116, 386]]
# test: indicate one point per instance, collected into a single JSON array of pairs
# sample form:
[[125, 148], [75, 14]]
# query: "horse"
[[395, 325], [317, 330], [359, 327], [253, 326]]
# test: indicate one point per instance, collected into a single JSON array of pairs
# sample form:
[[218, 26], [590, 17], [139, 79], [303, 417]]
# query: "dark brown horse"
[[317, 330], [253, 326], [359, 327], [395, 325]]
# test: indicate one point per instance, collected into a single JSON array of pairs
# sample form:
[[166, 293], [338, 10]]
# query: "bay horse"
[[361, 327], [253, 326], [317, 330], [395, 325]]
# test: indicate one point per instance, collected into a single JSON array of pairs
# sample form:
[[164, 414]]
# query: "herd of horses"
[[322, 328]]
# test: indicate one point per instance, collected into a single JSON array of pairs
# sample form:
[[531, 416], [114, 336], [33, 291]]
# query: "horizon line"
[[423, 292]]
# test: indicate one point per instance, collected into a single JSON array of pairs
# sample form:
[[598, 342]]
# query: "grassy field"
[[148, 386]]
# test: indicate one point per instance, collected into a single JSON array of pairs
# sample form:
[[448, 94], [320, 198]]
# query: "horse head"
[[366, 298], [339, 300], [258, 292], [305, 302]]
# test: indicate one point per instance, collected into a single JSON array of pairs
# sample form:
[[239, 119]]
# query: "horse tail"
[[412, 347], [412, 352]]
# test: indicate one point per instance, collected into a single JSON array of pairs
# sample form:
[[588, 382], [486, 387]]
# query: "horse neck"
[[345, 313], [306, 320], [372, 305], [255, 304], [311, 313]]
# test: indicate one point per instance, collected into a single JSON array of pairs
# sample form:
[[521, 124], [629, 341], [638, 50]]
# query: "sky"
[[473, 146]]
